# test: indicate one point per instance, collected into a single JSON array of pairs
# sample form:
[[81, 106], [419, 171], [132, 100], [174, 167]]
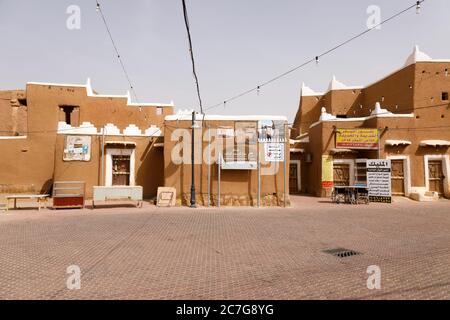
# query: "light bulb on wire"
[[417, 7], [257, 90], [317, 60], [97, 8]]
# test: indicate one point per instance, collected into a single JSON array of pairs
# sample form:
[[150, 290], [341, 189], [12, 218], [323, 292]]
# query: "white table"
[[103, 193]]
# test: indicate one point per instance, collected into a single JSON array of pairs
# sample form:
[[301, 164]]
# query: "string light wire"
[[317, 57]]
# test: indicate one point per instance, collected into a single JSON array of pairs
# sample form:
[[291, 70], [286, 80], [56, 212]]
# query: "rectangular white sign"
[[379, 180], [77, 148], [274, 152]]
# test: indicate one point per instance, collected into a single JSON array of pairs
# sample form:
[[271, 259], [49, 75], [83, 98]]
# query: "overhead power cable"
[[416, 5], [119, 57], [191, 52]]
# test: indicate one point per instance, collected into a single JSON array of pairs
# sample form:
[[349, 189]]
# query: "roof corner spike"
[[128, 97], [89, 90], [336, 85], [307, 91], [417, 56]]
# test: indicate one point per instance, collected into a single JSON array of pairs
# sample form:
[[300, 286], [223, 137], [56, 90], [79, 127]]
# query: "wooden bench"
[[40, 198]]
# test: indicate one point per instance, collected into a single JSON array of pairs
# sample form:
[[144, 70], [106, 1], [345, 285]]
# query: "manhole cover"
[[341, 252]]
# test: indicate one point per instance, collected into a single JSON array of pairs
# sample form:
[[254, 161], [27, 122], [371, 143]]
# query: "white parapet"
[[132, 130], [153, 131], [111, 129], [85, 128], [324, 116]]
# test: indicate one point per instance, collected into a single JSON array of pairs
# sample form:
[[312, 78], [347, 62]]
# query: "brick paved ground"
[[228, 253]]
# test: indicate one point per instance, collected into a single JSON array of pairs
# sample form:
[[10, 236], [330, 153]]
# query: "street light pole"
[[193, 205]]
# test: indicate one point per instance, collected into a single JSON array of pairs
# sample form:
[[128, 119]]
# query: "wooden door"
[[436, 176], [397, 178], [121, 170], [341, 174], [293, 178]]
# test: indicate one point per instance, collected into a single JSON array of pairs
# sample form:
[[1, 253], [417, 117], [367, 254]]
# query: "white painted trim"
[[188, 116], [90, 93], [108, 164], [407, 171], [445, 169], [382, 115], [351, 168], [299, 176], [12, 137]]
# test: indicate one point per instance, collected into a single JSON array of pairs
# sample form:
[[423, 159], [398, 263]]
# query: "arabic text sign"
[[77, 148], [357, 138], [327, 171], [274, 152], [379, 180]]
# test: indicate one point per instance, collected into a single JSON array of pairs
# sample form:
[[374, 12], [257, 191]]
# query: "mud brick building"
[[410, 110]]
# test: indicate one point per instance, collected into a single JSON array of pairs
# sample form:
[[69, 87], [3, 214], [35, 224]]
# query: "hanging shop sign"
[[327, 171], [274, 152], [379, 180], [357, 138], [77, 148]]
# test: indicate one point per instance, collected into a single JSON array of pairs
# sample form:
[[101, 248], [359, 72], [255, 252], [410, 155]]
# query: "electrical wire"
[[316, 58], [191, 52], [119, 57]]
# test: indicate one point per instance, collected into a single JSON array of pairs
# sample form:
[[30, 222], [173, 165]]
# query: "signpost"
[[379, 180], [274, 152]]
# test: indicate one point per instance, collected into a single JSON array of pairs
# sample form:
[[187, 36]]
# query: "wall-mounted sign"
[[274, 152], [246, 132], [327, 171], [379, 180], [357, 138], [225, 132], [77, 148]]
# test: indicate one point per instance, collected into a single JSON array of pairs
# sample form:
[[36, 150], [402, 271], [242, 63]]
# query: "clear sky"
[[237, 43]]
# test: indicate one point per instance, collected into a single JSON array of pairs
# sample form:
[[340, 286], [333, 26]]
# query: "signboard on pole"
[[357, 139], [77, 148], [274, 152], [327, 171], [379, 180]]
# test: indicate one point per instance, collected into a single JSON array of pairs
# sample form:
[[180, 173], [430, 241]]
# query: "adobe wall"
[[28, 164], [13, 113], [149, 164], [238, 187], [397, 90]]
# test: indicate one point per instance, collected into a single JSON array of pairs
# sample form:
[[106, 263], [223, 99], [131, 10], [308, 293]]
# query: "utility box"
[[68, 194]]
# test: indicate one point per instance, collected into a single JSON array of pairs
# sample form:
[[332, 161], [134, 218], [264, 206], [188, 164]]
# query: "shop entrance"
[[341, 174], [397, 178], [436, 176], [121, 170]]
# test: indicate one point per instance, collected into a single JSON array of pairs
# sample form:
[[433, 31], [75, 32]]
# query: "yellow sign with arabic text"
[[327, 171], [357, 139]]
